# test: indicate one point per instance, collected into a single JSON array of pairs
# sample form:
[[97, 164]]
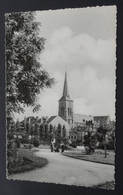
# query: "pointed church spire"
[[65, 89]]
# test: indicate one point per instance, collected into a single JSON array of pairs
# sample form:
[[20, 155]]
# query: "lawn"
[[29, 161], [98, 156]]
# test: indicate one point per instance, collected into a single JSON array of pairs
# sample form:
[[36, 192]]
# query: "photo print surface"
[[60, 96]]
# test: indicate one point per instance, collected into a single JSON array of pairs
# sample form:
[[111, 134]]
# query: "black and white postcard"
[[60, 96]]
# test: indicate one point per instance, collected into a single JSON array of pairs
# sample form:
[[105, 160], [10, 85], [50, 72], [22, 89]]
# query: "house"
[[101, 120], [80, 119]]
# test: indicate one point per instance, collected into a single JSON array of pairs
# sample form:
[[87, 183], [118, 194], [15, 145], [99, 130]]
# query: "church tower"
[[66, 104]]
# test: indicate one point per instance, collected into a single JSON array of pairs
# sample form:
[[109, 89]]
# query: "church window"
[[62, 111], [70, 112]]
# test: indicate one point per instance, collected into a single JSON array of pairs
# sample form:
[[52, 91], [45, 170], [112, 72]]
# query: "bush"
[[28, 146], [73, 144], [36, 143], [109, 146], [31, 146], [100, 145], [25, 140], [10, 136], [17, 143]]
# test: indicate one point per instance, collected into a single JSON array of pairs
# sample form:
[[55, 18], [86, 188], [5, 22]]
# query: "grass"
[[97, 157], [30, 161]]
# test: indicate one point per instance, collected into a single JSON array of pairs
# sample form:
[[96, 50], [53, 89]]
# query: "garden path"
[[64, 170]]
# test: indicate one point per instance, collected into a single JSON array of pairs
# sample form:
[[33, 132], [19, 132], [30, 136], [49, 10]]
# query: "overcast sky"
[[83, 42]]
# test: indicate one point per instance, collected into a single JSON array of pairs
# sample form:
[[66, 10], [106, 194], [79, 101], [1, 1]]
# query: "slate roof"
[[65, 89], [65, 95], [78, 118], [50, 119]]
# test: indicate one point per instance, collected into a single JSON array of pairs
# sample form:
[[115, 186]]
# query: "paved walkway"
[[70, 171]]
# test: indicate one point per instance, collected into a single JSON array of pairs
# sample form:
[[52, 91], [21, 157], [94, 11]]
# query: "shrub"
[[73, 144], [30, 146], [36, 143], [10, 136], [110, 146], [17, 143], [25, 140]]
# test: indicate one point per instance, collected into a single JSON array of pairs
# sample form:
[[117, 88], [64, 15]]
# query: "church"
[[73, 122], [66, 109]]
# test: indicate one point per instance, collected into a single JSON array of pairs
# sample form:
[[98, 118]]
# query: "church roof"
[[50, 119], [65, 95], [65, 89], [55, 120], [56, 117], [78, 118]]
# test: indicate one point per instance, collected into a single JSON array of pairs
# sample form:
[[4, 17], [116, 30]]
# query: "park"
[[61, 169], [52, 138]]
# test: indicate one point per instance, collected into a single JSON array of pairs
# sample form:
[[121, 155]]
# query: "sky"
[[81, 41]]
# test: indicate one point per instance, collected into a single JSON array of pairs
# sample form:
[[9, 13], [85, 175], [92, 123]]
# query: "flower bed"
[[26, 161]]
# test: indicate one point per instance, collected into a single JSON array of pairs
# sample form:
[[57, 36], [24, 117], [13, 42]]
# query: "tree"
[[36, 131], [103, 131], [51, 133], [90, 141], [11, 126], [36, 142], [32, 131], [89, 124], [58, 136], [41, 132], [17, 126], [25, 76], [46, 132], [51, 128], [64, 132], [111, 140], [64, 135]]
